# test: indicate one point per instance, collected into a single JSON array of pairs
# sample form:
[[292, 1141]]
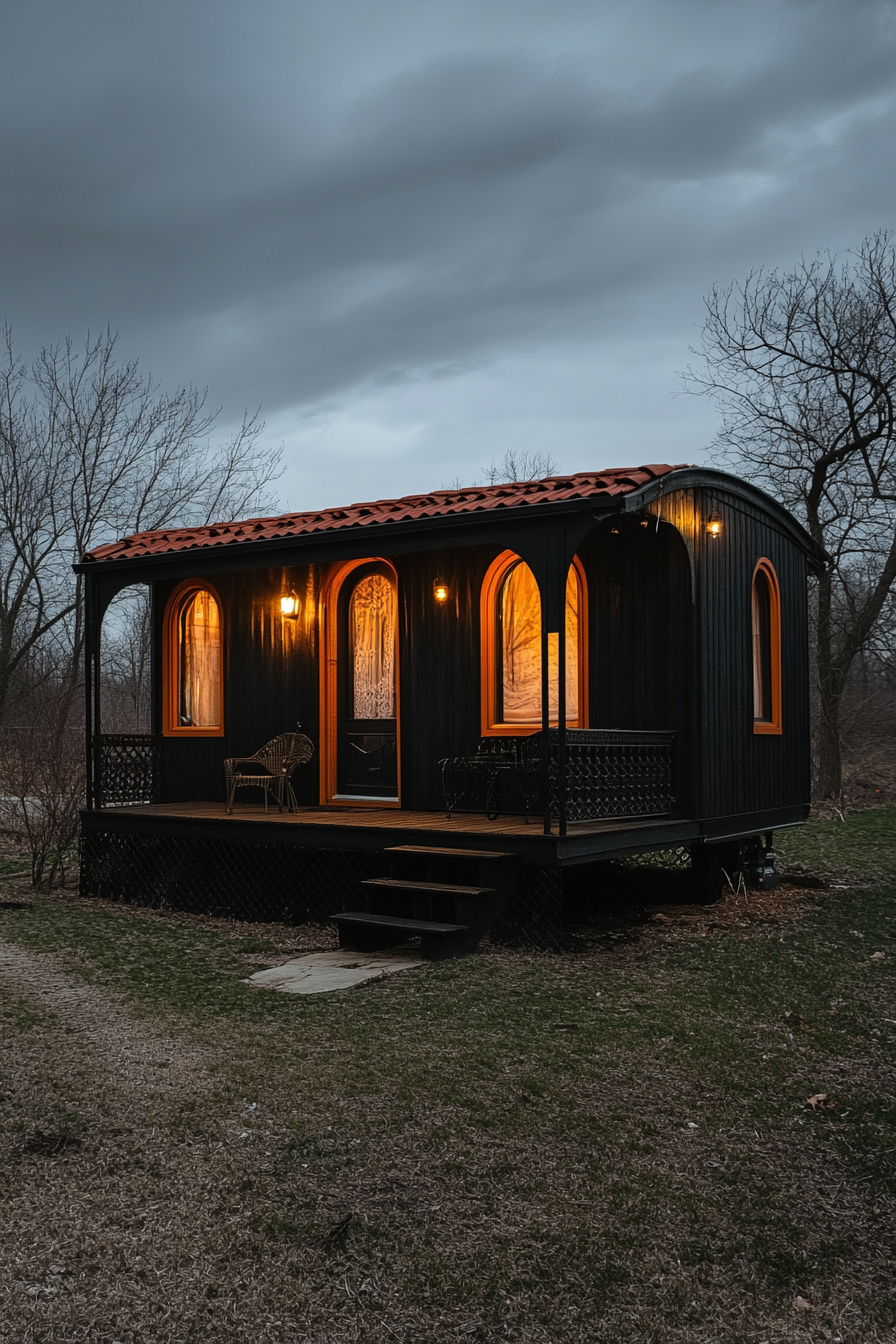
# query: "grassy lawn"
[[613, 1144]]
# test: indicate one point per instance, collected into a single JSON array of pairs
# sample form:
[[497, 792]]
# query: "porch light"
[[289, 605], [714, 525], [440, 591]]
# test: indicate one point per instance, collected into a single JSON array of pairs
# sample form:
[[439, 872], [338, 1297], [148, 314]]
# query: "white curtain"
[[200, 680], [520, 619], [372, 628]]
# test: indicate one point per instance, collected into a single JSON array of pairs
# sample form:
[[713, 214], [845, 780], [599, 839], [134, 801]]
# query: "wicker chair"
[[272, 772]]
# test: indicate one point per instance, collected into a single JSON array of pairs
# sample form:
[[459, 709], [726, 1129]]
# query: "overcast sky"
[[417, 233]]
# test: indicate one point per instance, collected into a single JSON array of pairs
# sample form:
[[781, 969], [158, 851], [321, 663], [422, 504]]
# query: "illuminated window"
[[766, 625], [193, 657], [511, 653], [371, 622]]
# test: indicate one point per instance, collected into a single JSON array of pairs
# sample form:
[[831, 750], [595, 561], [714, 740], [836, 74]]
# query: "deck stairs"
[[448, 898]]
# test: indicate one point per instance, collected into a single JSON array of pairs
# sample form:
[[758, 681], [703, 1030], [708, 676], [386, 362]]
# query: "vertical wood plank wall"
[[270, 680], [741, 771]]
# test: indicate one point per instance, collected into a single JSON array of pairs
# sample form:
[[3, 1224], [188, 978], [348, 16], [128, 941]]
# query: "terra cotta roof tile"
[[436, 504]]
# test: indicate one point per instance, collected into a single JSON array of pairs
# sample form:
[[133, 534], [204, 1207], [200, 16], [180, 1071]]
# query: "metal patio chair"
[[269, 769]]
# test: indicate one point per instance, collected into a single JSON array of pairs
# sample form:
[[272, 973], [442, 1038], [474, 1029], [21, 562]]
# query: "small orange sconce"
[[289, 605], [440, 591], [714, 525]]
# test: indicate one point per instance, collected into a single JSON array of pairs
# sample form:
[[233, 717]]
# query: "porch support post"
[[88, 690], [561, 709], [94, 644], [545, 720]]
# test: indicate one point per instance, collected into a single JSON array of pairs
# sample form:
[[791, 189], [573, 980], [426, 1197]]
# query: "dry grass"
[[613, 1144]]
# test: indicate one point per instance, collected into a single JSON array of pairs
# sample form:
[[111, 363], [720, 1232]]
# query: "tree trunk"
[[828, 765], [828, 762]]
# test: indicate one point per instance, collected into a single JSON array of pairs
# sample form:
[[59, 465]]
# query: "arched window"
[[194, 689], [766, 623], [511, 649]]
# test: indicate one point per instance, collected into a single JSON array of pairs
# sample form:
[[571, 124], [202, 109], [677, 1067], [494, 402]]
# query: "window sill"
[[192, 732]]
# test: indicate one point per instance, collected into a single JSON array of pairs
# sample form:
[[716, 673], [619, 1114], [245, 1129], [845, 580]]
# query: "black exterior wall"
[[440, 676], [270, 679], [744, 771], [734, 771], [641, 635]]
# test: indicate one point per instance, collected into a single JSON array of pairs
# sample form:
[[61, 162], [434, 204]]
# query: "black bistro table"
[[466, 778]]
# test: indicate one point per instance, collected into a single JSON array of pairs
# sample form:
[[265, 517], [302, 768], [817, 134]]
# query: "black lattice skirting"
[[213, 877]]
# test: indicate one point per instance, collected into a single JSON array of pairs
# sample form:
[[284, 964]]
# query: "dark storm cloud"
[[286, 210]]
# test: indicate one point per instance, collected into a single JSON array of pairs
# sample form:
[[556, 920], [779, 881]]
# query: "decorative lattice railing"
[[127, 768], [608, 773]]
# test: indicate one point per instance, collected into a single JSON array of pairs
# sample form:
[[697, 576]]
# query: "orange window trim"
[[329, 683], [488, 660], [772, 726], [170, 660]]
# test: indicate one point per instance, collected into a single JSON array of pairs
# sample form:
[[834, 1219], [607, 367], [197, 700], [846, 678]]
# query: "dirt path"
[[131, 1056], [116, 1157]]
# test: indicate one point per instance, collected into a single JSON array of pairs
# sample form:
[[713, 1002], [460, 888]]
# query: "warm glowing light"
[[440, 592], [714, 525], [289, 605]]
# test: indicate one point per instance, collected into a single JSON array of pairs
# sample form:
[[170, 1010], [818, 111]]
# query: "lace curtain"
[[200, 663], [371, 623], [520, 619]]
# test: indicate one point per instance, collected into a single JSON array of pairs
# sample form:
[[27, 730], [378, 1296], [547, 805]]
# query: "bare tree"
[[803, 367], [92, 449], [126, 661], [520, 466], [514, 466]]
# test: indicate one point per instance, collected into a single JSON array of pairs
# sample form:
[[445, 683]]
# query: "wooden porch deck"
[[379, 828]]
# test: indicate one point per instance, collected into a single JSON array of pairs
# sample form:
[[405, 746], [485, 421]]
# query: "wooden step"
[[432, 888], [411, 927], [438, 940]]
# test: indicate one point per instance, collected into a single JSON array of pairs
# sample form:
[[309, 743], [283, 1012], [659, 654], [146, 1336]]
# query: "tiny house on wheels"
[[417, 716]]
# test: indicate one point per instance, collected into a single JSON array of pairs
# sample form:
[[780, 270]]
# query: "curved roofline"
[[684, 478]]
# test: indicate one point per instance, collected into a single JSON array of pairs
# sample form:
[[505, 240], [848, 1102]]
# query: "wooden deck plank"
[[383, 828], [377, 818]]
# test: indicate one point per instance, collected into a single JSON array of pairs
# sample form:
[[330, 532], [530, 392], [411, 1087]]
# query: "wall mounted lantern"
[[289, 605], [440, 591], [714, 525]]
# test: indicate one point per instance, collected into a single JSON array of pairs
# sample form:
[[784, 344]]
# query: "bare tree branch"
[[803, 368], [92, 449]]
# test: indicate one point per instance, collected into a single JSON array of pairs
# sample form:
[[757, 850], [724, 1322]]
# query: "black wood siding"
[[743, 771], [640, 625], [270, 681], [440, 671]]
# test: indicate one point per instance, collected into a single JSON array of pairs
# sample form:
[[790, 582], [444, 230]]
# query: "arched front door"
[[364, 685]]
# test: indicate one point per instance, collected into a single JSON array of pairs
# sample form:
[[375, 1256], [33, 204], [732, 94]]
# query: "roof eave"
[[405, 527]]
